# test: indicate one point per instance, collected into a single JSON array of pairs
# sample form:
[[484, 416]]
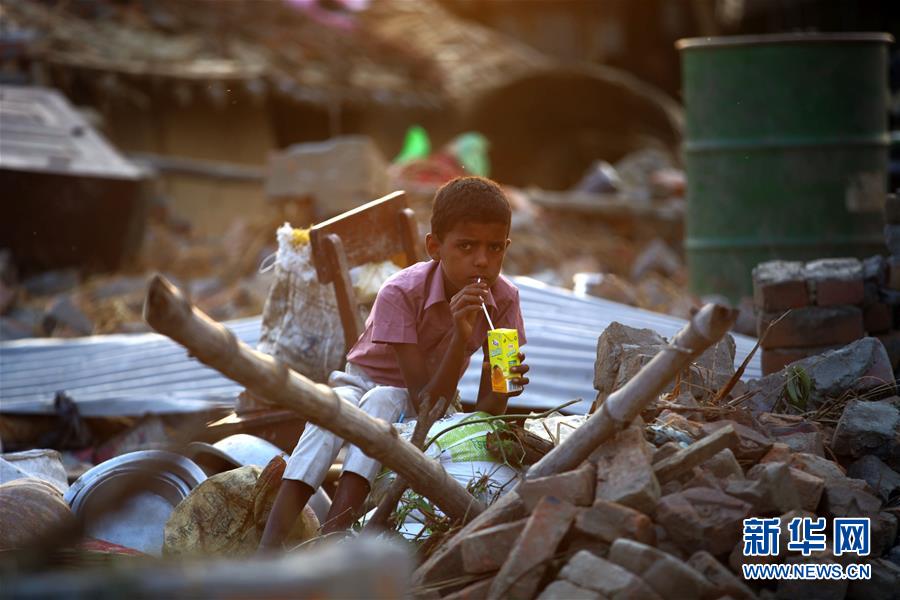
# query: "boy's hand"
[[520, 370], [465, 306]]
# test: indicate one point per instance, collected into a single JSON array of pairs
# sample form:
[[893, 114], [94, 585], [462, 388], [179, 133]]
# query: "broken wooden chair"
[[384, 229]]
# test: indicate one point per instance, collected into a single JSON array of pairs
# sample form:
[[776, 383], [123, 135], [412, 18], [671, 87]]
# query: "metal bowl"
[[128, 499]]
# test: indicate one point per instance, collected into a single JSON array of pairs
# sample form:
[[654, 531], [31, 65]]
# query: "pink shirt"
[[411, 308]]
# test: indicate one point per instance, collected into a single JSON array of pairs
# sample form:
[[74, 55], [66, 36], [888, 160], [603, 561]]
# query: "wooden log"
[[168, 312], [705, 329]]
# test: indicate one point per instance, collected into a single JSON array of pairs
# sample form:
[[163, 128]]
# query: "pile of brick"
[[658, 511], [807, 309]]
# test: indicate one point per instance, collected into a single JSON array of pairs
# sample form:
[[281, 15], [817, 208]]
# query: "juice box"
[[503, 352]]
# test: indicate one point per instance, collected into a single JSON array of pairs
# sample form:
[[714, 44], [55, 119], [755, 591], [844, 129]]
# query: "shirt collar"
[[436, 289]]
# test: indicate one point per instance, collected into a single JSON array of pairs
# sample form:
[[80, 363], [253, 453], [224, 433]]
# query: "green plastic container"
[[786, 151]]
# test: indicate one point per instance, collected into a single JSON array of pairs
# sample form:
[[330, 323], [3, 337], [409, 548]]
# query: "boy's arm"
[[465, 307]]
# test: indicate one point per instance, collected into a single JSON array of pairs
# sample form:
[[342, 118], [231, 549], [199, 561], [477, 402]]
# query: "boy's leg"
[[292, 497], [383, 402], [306, 468]]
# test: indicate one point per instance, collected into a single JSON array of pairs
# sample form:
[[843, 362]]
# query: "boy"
[[426, 322]]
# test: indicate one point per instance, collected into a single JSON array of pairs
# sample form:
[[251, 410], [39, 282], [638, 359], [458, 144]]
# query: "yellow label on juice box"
[[503, 353]]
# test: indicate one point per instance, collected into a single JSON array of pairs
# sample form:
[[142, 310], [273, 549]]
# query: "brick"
[[849, 498], [884, 532], [773, 360], [563, 590], [835, 281], [822, 468], [624, 472], [811, 326], [724, 465], [811, 442], [609, 521], [809, 488], [880, 477], [526, 564], [702, 519], [609, 579], [891, 343], [892, 239], [893, 272], [752, 445], [892, 209], [878, 318], [665, 574], [779, 285], [780, 493], [475, 591], [576, 486], [686, 459], [718, 575], [485, 550]]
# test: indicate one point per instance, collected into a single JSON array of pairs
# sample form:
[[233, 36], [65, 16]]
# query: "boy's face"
[[468, 251]]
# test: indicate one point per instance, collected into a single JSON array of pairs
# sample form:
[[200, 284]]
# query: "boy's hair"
[[468, 199]]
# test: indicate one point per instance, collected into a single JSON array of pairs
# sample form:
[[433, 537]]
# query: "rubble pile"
[[807, 309], [658, 511], [221, 275]]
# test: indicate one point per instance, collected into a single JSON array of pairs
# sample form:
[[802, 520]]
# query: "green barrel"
[[786, 151]]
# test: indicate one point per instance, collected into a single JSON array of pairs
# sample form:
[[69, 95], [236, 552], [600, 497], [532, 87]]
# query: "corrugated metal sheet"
[[41, 132], [119, 374]]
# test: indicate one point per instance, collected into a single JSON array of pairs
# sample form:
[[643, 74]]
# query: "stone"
[[752, 444], [773, 360], [616, 342], [609, 521], [718, 575], [576, 486], [867, 428], [712, 370], [809, 488], [855, 368], [835, 281], [665, 451], [779, 285], [686, 459], [609, 579], [475, 591], [823, 468], [811, 442], [485, 550], [624, 472], [878, 318], [665, 574], [724, 465], [702, 519], [884, 532], [883, 585], [848, 499], [880, 477], [563, 590], [525, 565], [780, 493], [65, 316], [811, 326], [894, 555]]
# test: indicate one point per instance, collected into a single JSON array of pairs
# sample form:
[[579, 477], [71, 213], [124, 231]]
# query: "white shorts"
[[318, 447]]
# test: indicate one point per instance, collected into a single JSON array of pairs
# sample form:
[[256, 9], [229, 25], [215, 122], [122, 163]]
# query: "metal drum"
[[786, 151]]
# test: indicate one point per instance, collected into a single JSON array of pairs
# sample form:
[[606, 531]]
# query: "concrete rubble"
[[671, 493]]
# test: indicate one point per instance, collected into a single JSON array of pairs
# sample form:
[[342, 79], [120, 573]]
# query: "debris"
[[42, 464], [880, 477], [486, 550], [869, 428], [624, 472], [609, 521], [702, 518], [226, 514], [665, 574], [686, 459], [31, 509], [609, 579], [525, 565]]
